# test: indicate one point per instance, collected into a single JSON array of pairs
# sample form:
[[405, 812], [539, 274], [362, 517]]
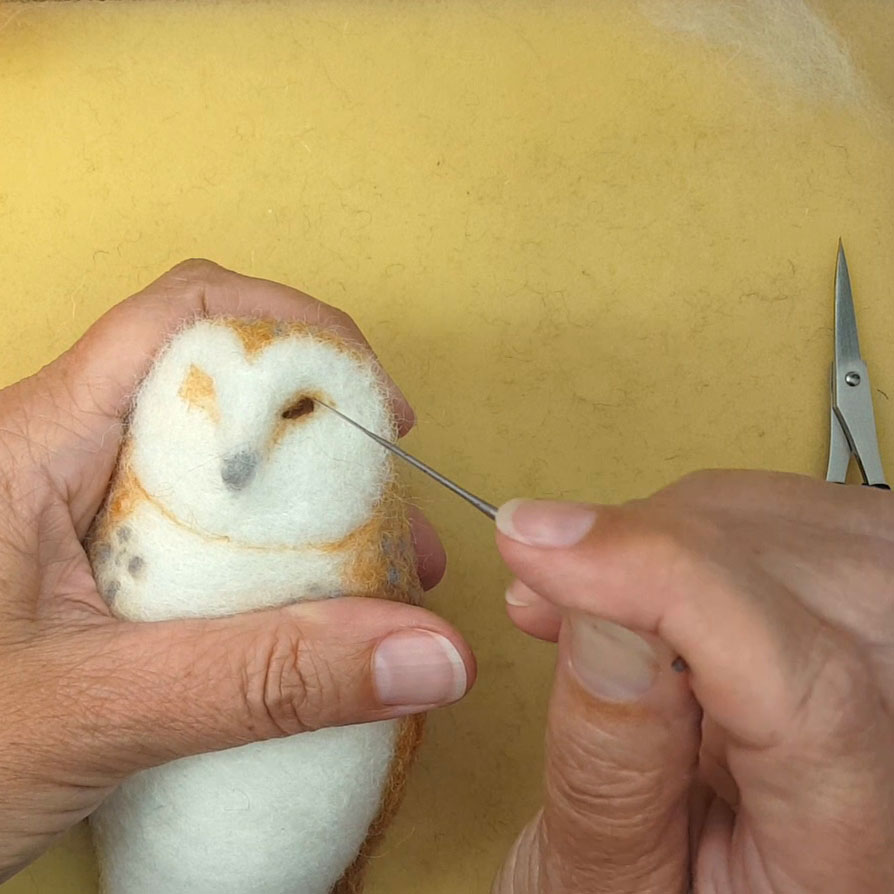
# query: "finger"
[[156, 691], [622, 741], [79, 400], [195, 288], [749, 496], [838, 532], [712, 842], [531, 613], [431, 560], [753, 650]]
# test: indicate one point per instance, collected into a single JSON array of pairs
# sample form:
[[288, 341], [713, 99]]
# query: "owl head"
[[228, 436]]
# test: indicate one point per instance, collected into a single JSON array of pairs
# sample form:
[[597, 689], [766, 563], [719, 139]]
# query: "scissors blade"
[[482, 505], [851, 391], [847, 343], [839, 448]]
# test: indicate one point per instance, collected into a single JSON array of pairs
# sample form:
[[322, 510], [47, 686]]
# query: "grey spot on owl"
[[393, 576], [110, 591], [124, 533], [238, 469], [279, 330], [102, 551], [135, 565]]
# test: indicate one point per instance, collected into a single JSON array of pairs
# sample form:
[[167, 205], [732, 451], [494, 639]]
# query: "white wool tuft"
[[788, 39], [203, 534]]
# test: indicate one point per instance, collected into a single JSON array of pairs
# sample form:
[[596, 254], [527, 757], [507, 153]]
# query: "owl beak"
[[238, 469]]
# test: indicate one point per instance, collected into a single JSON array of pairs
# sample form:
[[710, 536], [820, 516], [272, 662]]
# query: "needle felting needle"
[[482, 505], [678, 664]]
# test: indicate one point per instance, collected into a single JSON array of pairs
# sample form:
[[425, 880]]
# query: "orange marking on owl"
[[382, 561], [256, 335], [199, 392], [125, 493], [384, 565]]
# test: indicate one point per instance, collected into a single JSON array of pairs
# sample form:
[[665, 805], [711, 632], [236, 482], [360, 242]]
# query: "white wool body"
[[280, 817], [229, 506]]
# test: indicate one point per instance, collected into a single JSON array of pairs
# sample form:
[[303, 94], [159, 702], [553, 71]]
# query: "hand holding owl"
[[90, 699], [792, 673]]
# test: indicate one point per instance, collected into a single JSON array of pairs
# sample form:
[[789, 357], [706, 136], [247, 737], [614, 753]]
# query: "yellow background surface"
[[595, 256]]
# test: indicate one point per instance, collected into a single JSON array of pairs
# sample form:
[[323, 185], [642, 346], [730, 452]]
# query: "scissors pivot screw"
[[852, 379]]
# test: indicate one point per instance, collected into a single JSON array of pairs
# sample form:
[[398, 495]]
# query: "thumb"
[[622, 741], [174, 688]]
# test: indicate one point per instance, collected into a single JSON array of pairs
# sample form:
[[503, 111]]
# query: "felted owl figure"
[[235, 490]]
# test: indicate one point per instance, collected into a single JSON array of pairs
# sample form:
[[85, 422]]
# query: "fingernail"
[[519, 595], [546, 523], [612, 662], [418, 668]]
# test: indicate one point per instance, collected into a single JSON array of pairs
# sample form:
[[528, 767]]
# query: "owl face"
[[228, 436]]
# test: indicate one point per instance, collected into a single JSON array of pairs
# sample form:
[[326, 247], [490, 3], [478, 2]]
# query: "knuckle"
[[666, 537], [699, 485], [701, 477], [290, 685], [624, 816], [622, 795], [838, 696], [196, 268], [668, 549], [341, 321], [720, 489]]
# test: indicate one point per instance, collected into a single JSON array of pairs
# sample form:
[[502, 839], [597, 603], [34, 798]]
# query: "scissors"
[[853, 432]]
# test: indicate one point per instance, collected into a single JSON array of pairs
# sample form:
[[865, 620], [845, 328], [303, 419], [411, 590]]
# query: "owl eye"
[[304, 406]]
